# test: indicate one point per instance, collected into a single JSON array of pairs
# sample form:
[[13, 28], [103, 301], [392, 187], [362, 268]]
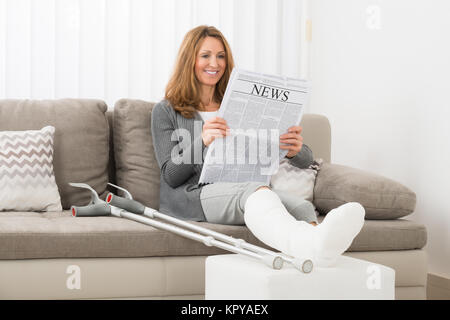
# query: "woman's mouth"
[[213, 73]]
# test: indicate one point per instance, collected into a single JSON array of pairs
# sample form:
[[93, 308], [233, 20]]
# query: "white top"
[[206, 115]]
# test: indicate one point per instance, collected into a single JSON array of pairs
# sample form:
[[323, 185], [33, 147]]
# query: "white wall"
[[385, 86], [112, 49]]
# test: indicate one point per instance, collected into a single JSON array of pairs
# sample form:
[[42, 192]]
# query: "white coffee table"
[[238, 277]]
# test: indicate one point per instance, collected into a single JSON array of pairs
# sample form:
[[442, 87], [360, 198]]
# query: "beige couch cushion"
[[382, 198], [80, 142], [27, 235], [136, 166], [316, 135]]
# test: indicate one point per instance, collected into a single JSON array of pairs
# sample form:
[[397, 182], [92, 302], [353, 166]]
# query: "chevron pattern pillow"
[[27, 180], [299, 182]]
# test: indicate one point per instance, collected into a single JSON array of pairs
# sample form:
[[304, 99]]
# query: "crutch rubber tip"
[[305, 265], [275, 262], [278, 263]]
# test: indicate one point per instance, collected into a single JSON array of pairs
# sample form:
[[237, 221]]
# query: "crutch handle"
[[126, 204], [92, 210]]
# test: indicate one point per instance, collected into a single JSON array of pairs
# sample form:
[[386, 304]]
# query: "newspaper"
[[258, 108]]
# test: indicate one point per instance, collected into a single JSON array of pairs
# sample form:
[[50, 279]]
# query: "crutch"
[[98, 207], [210, 237]]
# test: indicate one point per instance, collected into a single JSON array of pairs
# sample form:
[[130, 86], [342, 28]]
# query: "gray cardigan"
[[179, 187]]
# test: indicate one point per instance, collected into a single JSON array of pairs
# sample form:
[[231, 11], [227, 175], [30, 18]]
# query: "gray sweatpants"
[[224, 202]]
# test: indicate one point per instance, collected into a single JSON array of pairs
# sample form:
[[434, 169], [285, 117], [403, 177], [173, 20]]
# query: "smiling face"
[[210, 62]]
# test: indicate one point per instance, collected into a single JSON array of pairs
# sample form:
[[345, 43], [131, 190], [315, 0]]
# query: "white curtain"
[[112, 49]]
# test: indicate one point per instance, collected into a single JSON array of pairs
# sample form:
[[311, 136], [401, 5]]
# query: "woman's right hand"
[[214, 128]]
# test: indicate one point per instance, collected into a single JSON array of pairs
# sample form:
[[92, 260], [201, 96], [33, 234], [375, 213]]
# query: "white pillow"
[[27, 180], [299, 182]]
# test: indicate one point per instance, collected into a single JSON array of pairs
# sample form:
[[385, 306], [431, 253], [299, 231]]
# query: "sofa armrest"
[[381, 197]]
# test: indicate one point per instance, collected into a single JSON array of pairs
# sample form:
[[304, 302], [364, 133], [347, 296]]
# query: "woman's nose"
[[213, 62]]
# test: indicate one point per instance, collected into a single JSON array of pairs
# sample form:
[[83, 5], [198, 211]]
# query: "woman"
[[193, 96]]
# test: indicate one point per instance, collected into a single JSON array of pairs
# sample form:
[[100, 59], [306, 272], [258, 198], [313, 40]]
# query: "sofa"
[[113, 258]]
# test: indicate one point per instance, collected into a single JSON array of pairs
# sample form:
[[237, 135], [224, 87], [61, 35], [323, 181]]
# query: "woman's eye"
[[205, 56], [221, 57]]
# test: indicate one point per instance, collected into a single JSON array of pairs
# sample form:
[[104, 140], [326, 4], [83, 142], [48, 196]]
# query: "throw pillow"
[[299, 182], [382, 198], [27, 180]]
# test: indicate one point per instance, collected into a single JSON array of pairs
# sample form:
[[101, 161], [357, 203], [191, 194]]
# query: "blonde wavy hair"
[[183, 89]]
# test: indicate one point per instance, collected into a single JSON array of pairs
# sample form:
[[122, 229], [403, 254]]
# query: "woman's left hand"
[[292, 141]]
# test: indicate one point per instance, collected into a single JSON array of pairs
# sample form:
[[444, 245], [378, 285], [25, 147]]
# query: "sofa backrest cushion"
[[316, 134], [81, 141], [136, 166]]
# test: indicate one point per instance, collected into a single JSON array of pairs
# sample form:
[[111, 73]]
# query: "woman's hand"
[[214, 128], [292, 141]]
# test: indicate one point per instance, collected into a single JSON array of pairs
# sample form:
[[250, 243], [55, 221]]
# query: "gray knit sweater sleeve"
[[303, 159], [168, 151]]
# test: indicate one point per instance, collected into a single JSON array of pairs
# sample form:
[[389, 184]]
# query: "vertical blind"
[[113, 49]]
